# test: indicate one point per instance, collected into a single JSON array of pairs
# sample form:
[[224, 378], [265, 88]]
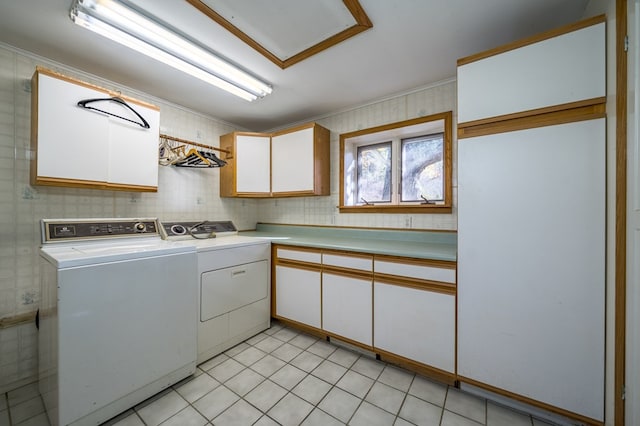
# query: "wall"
[[183, 194], [323, 210]]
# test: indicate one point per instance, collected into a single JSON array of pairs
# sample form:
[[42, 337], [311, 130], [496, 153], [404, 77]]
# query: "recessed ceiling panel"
[[287, 31]]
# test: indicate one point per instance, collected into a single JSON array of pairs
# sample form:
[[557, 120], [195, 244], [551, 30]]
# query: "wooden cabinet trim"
[[349, 273], [332, 335], [534, 39], [436, 373], [589, 112], [294, 129], [426, 285], [114, 93], [531, 113], [277, 247], [298, 264], [446, 264], [304, 327], [347, 253], [533, 402]]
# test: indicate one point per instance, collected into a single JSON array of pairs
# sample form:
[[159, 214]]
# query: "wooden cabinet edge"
[[300, 326], [560, 114], [45, 71], [529, 401], [347, 272], [443, 376], [417, 284], [445, 264], [533, 39], [89, 184]]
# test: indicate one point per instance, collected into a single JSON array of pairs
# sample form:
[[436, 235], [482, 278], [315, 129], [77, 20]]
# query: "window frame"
[[347, 142]]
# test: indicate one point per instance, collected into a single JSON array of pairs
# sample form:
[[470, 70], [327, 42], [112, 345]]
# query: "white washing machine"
[[117, 317], [234, 275]]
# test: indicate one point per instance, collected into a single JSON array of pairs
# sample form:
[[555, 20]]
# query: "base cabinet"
[[347, 307], [415, 324], [402, 309], [298, 295]]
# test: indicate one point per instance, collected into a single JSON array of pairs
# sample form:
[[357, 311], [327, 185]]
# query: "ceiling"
[[413, 43]]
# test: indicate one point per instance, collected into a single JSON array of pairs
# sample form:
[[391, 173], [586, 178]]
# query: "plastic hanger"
[[142, 123]]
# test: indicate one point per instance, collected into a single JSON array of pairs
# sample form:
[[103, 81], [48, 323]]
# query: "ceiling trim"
[[363, 23]]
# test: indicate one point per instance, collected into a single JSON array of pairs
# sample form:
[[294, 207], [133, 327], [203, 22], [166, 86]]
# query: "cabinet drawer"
[[363, 263], [299, 255], [414, 270]]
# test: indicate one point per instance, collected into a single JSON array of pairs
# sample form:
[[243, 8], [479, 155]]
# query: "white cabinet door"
[[227, 289], [298, 295], [347, 307], [72, 143], [556, 71], [253, 170], [133, 150], [292, 158], [415, 324], [531, 258]]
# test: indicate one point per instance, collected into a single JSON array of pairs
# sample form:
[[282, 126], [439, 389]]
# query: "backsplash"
[[182, 193]]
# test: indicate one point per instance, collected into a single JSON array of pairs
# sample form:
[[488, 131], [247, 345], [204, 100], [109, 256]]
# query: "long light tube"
[[126, 26]]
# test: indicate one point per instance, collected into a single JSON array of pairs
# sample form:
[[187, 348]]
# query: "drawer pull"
[[234, 273]]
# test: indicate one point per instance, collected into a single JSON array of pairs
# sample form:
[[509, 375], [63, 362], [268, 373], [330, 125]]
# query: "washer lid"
[[85, 253]]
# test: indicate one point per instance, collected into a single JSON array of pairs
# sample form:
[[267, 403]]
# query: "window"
[[374, 173], [402, 167]]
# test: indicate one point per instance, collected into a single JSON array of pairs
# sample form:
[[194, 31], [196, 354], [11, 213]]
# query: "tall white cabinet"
[[531, 221]]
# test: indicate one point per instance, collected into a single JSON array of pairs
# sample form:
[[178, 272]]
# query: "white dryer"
[[117, 316], [234, 275]]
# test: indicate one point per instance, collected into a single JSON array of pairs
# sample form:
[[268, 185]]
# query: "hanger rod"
[[188, 142]]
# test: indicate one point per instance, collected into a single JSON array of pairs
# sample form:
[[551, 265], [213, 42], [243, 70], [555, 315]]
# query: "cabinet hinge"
[[624, 392], [626, 43]]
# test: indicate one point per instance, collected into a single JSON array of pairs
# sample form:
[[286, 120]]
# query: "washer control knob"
[[178, 229], [140, 227]]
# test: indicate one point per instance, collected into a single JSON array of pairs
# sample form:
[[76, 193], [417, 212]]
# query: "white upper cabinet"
[[571, 68], [74, 146], [289, 163]]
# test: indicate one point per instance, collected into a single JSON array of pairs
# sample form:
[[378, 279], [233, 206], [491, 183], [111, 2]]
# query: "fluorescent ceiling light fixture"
[[124, 24]]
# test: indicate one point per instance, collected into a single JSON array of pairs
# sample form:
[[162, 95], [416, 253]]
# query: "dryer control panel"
[[198, 229]]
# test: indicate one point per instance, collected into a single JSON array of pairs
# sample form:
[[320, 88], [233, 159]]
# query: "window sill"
[[423, 208]]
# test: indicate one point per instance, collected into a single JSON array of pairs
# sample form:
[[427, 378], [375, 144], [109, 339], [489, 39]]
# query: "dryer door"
[[228, 289]]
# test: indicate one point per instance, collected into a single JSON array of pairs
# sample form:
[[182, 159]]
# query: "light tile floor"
[[284, 377]]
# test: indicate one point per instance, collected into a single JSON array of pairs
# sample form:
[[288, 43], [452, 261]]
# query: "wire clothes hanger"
[[142, 123]]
